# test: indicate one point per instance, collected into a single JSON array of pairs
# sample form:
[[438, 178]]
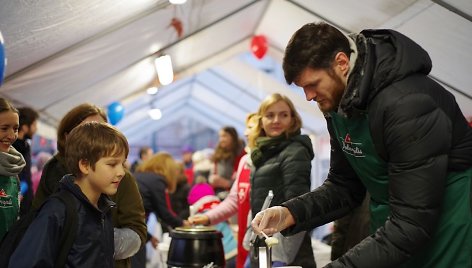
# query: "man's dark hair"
[[314, 45], [143, 150], [27, 116]]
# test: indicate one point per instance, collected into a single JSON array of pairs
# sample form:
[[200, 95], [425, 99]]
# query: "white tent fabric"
[[62, 53]]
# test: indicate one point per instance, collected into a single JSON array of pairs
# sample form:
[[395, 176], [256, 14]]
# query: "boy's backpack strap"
[[71, 223]]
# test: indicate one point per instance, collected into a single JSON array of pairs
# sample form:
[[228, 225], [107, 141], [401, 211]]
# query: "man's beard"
[[336, 93], [28, 135]]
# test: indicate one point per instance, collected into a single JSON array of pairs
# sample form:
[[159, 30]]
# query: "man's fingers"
[[270, 231], [256, 222], [264, 221]]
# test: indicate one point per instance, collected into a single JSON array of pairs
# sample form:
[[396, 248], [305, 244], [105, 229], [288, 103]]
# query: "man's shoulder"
[[21, 146]]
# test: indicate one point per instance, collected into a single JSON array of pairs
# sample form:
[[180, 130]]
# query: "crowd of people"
[[398, 188]]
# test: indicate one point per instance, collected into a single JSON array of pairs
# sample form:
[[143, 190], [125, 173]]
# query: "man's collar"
[[352, 59]]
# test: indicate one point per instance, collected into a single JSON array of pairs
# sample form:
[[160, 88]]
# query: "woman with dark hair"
[[128, 217], [226, 157], [237, 201]]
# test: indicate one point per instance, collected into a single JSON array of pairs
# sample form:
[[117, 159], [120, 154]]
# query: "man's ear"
[[341, 62], [84, 166]]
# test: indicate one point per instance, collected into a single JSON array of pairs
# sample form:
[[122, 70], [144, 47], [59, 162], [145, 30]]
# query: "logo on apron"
[[351, 148]]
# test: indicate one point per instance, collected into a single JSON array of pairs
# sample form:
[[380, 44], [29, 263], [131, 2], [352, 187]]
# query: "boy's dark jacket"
[[129, 212], [93, 245]]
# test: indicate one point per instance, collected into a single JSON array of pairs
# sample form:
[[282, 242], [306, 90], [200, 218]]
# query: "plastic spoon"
[[270, 241]]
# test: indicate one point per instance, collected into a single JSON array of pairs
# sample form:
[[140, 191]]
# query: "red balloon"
[[259, 46]]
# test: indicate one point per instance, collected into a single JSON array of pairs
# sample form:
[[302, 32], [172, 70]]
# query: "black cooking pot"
[[196, 246]]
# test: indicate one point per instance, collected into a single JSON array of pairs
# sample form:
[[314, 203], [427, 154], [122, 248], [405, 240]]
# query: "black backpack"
[[13, 237]]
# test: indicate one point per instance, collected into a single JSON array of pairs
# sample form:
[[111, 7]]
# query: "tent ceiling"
[[63, 53]]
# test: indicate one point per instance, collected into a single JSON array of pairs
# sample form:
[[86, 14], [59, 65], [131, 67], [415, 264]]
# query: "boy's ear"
[[84, 166]]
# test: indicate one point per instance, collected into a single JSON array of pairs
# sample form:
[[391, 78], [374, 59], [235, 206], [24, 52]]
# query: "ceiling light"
[[177, 2], [165, 73], [152, 90], [155, 114]]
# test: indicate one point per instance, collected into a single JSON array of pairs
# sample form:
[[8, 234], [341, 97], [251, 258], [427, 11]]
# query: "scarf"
[[11, 163], [353, 98], [266, 147]]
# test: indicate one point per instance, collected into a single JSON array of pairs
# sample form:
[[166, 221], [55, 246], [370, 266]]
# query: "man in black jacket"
[[26, 130], [396, 133]]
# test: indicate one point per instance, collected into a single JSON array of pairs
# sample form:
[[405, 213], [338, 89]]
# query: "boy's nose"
[[121, 171]]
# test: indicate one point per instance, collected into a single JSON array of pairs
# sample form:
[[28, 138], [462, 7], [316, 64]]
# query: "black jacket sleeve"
[[341, 192]]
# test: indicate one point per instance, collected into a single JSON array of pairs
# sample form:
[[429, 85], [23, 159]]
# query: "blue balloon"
[[3, 60], [23, 187], [116, 111]]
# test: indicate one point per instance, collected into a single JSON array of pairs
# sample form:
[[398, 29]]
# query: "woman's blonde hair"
[[252, 119], [162, 164], [258, 131]]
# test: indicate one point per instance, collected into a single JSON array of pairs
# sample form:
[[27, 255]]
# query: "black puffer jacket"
[[416, 127], [93, 245], [286, 172]]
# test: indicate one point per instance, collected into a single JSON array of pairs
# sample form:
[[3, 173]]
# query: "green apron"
[[9, 204], [451, 245]]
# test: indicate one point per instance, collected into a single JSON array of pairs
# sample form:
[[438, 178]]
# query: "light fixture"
[[163, 65], [155, 113], [152, 90], [177, 2]]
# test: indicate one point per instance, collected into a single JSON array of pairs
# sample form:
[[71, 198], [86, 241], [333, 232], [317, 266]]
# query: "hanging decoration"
[[178, 26], [116, 111], [259, 46]]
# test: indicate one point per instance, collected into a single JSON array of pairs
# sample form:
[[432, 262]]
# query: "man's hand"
[[154, 241], [272, 220]]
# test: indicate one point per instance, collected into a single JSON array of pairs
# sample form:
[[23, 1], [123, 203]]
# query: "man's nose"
[[310, 94]]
